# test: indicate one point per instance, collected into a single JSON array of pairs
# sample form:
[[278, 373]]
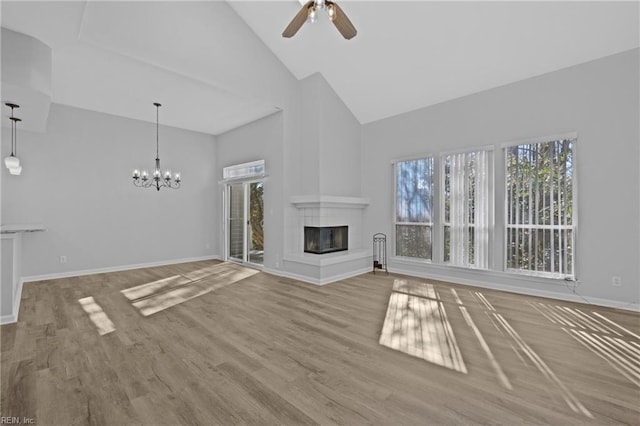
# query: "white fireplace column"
[[323, 211]]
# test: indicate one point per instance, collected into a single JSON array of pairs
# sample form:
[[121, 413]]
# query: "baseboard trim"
[[316, 281], [84, 272], [13, 317], [634, 307], [8, 319]]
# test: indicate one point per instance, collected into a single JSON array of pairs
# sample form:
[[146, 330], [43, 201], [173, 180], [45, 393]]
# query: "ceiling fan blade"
[[297, 21], [342, 23]]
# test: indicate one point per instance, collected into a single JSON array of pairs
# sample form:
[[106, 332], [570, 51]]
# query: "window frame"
[[434, 219], [244, 171], [489, 149], [573, 136]]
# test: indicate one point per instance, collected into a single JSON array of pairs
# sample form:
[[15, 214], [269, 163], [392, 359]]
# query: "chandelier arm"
[[152, 183]]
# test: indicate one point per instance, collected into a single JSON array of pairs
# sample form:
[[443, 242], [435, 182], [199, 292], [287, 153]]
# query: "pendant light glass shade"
[[12, 161]]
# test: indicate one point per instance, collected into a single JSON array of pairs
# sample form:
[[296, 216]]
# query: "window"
[[540, 208], [244, 171], [414, 207], [466, 203]]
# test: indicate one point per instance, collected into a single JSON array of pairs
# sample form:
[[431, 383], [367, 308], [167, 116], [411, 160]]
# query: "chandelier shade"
[[12, 162], [159, 178]]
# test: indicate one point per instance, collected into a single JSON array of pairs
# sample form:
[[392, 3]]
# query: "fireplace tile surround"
[[325, 211]]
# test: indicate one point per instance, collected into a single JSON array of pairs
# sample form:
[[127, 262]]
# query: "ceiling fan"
[[310, 12]]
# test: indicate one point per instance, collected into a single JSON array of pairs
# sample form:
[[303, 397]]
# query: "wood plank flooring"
[[232, 347]]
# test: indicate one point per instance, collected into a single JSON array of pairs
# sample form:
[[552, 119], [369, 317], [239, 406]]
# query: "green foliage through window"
[[540, 223]]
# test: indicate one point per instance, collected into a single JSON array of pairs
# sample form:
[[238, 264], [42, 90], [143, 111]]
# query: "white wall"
[[260, 140], [102, 222], [76, 180], [310, 148], [339, 145], [330, 141], [599, 100], [310, 135], [92, 222]]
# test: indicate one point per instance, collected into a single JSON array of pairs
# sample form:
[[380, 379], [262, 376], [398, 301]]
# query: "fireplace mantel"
[[328, 201]]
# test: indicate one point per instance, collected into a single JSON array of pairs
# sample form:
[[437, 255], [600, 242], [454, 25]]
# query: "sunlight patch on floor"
[[502, 377], [615, 344], [149, 289], [416, 323], [157, 296], [97, 315], [501, 322]]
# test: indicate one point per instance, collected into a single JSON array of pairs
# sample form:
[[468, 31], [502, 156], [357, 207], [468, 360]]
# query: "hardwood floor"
[[212, 343]]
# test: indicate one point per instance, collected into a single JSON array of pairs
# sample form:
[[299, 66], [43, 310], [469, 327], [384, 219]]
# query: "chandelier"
[[13, 162], [158, 178]]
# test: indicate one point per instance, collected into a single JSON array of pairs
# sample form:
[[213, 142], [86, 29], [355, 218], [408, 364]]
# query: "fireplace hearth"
[[326, 239]]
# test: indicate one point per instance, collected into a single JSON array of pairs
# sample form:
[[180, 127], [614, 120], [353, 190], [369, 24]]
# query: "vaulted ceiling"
[[119, 57], [411, 54]]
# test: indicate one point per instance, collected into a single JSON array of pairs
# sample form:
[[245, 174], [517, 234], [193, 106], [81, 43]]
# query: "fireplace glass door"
[[327, 239]]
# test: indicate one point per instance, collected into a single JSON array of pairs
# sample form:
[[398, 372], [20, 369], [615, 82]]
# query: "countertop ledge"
[[22, 227]]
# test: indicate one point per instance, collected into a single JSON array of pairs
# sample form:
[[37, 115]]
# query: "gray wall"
[[600, 101], [68, 207], [323, 159], [330, 142], [71, 173], [310, 135], [339, 132], [260, 140], [76, 180]]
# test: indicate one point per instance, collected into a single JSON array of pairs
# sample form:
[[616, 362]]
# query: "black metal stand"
[[380, 252]]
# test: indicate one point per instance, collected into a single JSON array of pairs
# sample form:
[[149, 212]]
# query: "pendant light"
[[13, 162], [158, 178]]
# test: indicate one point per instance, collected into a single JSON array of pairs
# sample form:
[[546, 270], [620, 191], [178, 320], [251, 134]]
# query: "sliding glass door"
[[255, 222], [245, 220], [235, 227]]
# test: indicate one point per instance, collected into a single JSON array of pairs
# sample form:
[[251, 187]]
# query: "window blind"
[[540, 208], [467, 219]]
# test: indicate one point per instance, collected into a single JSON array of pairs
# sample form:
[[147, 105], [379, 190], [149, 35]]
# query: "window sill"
[[411, 260], [485, 274]]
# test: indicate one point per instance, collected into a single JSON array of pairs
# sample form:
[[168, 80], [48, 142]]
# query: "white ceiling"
[[411, 54], [120, 57], [98, 64]]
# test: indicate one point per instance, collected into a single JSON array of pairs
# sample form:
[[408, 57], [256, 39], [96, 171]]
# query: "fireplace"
[[326, 239]]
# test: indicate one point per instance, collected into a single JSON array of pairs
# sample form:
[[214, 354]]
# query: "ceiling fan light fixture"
[[309, 13], [312, 15], [331, 10]]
